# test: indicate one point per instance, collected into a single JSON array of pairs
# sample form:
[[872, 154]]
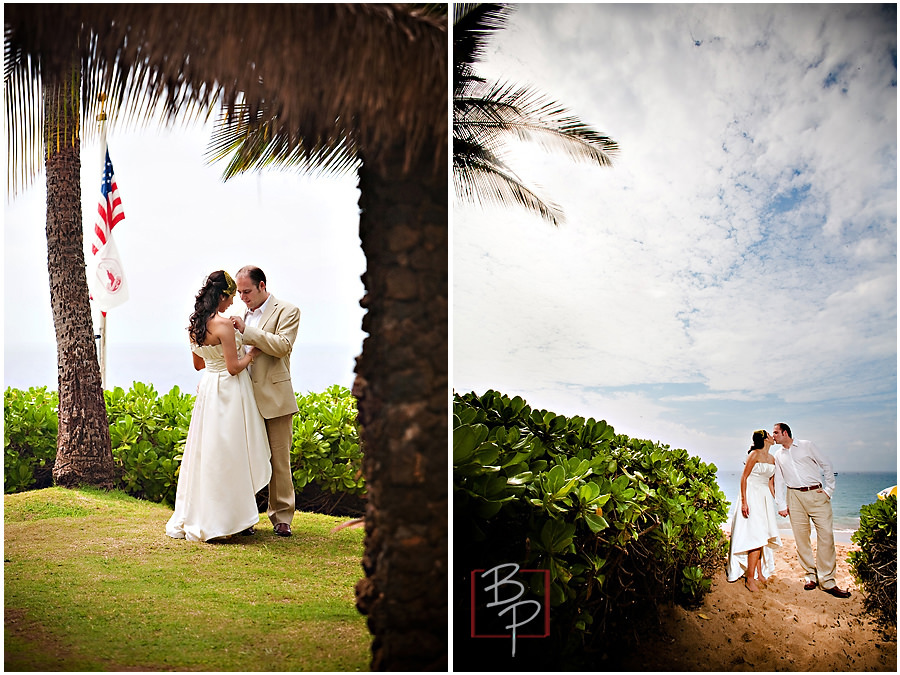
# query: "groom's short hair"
[[785, 428], [256, 275]]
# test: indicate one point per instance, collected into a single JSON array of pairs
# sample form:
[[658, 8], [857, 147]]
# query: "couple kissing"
[[797, 481]]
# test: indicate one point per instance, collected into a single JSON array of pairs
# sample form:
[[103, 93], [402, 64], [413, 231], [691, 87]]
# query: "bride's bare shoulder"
[[215, 327]]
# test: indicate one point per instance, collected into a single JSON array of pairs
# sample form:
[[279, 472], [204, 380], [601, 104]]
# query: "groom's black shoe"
[[283, 530], [810, 585], [837, 592]]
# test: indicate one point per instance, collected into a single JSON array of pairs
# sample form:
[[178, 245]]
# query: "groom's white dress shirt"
[[252, 318], [802, 465]]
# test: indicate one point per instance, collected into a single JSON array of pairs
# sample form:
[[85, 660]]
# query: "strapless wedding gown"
[[760, 529], [226, 456]]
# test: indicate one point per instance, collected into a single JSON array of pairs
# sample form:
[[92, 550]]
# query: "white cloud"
[[744, 241]]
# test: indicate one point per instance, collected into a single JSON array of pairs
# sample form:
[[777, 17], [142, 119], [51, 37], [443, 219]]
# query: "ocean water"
[[852, 491], [314, 367]]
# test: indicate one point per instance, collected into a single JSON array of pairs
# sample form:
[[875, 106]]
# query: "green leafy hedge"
[[620, 523], [874, 566], [30, 425], [148, 432], [326, 443]]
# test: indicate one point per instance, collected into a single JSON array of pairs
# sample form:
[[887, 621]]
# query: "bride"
[[226, 454], [754, 528]]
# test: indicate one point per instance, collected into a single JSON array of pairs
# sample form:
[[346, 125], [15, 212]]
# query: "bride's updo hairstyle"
[[759, 436], [218, 285]]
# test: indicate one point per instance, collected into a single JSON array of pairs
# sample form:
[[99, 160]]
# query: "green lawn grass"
[[92, 583]]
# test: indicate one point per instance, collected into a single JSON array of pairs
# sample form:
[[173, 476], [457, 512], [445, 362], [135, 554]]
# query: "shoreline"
[[840, 536]]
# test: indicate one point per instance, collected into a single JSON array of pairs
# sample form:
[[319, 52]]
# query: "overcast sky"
[[181, 223], [737, 266]]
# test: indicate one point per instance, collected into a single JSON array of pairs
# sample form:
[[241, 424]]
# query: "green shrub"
[[874, 566], [30, 427], [325, 446], [620, 523], [148, 432]]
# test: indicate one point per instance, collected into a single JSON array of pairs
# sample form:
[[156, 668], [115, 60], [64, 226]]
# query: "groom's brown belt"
[[806, 489]]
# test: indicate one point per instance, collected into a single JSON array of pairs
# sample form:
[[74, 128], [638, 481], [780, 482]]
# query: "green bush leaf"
[[466, 440], [595, 522]]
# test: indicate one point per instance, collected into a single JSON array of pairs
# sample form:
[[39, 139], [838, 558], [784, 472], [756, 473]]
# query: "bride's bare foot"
[[751, 585]]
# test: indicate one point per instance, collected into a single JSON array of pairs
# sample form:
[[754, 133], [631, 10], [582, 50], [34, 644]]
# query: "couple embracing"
[[791, 478], [239, 439]]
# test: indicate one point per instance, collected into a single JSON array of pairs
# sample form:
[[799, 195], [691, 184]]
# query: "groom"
[[271, 325], [800, 494]]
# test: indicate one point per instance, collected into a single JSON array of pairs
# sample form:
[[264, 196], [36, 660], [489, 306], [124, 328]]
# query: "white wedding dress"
[[226, 456], [760, 529]]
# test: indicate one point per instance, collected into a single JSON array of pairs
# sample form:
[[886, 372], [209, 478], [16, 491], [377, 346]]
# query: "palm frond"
[[254, 143], [25, 110], [379, 68], [480, 19], [480, 178], [490, 113], [437, 9], [473, 25], [486, 116]]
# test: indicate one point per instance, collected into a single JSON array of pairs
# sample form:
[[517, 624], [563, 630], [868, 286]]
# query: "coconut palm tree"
[[83, 455], [486, 116], [343, 87]]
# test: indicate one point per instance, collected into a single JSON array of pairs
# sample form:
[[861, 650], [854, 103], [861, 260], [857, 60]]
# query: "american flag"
[[109, 211], [106, 276]]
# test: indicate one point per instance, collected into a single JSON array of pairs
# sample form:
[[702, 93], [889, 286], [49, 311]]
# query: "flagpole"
[[101, 118], [103, 350]]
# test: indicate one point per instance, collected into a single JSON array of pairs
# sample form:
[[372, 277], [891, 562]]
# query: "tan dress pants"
[[816, 506], [281, 487]]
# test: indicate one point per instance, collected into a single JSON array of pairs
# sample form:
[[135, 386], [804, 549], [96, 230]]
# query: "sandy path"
[[782, 627]]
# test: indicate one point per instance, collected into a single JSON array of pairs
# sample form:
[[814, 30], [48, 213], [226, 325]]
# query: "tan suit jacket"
[[271, 370]]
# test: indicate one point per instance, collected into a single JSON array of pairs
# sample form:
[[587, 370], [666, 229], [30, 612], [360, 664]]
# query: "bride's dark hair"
[[759, 436], [219, 284]]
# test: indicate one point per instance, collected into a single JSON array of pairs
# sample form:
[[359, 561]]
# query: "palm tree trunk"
[[402, 391], [83, 455]]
